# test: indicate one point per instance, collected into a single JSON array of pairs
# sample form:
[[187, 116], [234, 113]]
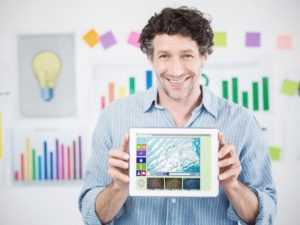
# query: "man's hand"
[[118, 165], [229, 164]]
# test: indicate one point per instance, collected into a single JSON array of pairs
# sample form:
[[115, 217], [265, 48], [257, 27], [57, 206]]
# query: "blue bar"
[[51, 166], [57, 160], [148, 79], [40, 167], [45, 161]]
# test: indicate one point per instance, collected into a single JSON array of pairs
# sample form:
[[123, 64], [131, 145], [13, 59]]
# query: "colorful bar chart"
[[117, 91], [259, 94], [50, 158]]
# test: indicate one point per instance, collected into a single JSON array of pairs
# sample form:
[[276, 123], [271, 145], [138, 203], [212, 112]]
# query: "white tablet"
[[173, 162]]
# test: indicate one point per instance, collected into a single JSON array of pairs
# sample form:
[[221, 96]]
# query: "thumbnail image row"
[[173, 183]]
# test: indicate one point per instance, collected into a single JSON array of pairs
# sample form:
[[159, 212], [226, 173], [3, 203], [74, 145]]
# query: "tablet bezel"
[[175, 193]]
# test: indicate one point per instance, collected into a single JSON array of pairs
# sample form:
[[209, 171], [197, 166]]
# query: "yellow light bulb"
[[46, 66]]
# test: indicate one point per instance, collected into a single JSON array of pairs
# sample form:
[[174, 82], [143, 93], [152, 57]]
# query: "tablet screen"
[[175, 162]]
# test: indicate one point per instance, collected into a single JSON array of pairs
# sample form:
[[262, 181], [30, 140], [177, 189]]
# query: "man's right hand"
[[118, 165]]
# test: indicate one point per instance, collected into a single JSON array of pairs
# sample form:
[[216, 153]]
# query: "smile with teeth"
[[177, 82]]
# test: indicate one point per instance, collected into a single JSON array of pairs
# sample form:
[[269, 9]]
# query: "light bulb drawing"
[[46, 66]]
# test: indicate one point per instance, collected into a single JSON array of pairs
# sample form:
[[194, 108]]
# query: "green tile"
[[220, 39], [275, 153], [289, 87]]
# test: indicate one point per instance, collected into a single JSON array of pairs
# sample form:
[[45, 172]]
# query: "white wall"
[[57, 204]]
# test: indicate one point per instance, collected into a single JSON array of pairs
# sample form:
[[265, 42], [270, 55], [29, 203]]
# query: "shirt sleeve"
[[257, 175], [96, 178]]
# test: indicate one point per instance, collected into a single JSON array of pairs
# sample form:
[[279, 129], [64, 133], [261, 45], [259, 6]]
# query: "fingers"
[[115, 153], [113, 162], [228, 162], [233, 171], [118, 176], [227, 149]]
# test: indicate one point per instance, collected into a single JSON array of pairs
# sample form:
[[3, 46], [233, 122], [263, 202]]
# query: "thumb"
[[221, 140], [124, 145]]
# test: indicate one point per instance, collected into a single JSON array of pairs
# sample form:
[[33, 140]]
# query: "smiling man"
[[177, 43]]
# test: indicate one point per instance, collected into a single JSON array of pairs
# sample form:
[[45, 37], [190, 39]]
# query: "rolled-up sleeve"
[[96, 178], [257, 175]]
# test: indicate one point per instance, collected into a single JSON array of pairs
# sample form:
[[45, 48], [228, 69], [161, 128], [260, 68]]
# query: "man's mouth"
[[175, 82]]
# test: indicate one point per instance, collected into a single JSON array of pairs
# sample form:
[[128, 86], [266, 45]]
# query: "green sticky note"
[[275, 153], [289, 87], [220, 39]]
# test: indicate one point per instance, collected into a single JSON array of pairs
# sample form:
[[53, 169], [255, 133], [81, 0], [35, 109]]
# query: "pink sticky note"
[[134, 39], [284, 42]]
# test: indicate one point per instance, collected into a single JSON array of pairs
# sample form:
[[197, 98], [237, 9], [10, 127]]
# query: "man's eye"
[[188, 56], [163, 56]]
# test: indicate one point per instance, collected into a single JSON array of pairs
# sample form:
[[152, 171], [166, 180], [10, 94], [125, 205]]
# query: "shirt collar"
[[209, 100]]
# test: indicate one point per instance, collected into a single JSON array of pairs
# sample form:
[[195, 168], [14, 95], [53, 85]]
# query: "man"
[[177, 43]]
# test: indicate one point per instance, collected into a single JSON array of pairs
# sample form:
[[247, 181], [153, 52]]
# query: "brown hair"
[[184, 21]]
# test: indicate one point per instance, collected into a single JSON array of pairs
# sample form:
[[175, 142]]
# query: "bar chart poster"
[[48, 155], [247, 82], [113, 82]]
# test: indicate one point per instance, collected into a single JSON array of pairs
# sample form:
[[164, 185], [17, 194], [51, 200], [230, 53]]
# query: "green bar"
[[205, 161], [265, 86], [131, 85], [255, 96], [225, 89], [33, 164], [245, 99], [235, 98]]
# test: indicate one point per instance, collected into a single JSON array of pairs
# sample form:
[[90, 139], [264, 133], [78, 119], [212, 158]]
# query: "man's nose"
[[176, 67]]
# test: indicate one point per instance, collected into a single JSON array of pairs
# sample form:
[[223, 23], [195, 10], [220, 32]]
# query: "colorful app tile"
[[141, 166], [143, 146], [141, 153], [141, 140], [141, 160], [138, 147]]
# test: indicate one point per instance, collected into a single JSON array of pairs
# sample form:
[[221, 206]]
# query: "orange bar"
[[111, 92]]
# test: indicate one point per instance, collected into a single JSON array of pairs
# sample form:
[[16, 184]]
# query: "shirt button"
[[173, 200]]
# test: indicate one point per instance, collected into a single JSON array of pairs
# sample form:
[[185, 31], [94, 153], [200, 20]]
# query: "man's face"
[[177, 64]]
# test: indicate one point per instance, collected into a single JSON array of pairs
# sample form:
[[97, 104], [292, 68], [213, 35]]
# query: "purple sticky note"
[[134, 39], [107, 39], [252, 39]]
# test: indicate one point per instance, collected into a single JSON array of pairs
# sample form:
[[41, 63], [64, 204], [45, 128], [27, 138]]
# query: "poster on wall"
[[43, 155], [47, 75]]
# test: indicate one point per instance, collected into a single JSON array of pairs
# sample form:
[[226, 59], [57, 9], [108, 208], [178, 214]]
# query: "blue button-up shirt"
[[140, 110]]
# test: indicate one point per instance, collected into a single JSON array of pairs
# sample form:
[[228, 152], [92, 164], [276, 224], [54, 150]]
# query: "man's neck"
[[180, 110]]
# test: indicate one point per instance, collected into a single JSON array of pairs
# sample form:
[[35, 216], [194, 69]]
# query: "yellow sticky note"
[[91, 38], [275, 153], [289, 87], [220, 39], [284, 42]]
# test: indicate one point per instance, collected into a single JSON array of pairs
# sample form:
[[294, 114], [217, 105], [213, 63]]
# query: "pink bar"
[[62, 163], [16, 175], [69, 164], [102, 103]]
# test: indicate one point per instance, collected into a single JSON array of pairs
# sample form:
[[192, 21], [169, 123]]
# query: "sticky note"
[[107, 39], [289, 87], [91, 38], [252, 39], [275, 153], [134, 39], [284, 42], [220, 39]]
